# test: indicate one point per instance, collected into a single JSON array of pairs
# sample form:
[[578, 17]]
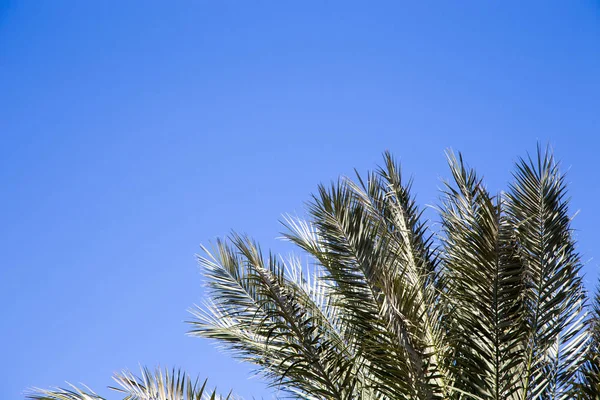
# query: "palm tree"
[[491, 306]]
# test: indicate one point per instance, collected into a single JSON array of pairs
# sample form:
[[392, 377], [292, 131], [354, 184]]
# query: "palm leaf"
[[554, 295], [268, 319], [482, 286], [160, 385], [589, 386]]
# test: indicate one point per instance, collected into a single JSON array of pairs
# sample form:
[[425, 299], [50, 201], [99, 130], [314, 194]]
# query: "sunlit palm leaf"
[[554, 294], [589, 386], [483, 285], [160, 385]]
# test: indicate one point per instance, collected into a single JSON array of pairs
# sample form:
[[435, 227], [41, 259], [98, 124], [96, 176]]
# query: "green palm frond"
[[160, 385], [554, 295], [272, 321], [163, 385], [359, 267], [482, 288], [589, 386]]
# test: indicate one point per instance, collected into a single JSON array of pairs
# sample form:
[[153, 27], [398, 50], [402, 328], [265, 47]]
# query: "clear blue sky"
[[134, 131]]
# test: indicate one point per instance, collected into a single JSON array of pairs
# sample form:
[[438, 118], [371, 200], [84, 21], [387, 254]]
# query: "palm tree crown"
[[490, 306]]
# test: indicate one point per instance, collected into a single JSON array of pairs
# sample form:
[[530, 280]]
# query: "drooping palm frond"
[[160, 385], [73, 393], [268, 319]]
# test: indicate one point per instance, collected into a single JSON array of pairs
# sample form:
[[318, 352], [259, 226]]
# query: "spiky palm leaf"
[[589, 386], [482, 288], [555, 334], [160, 385]]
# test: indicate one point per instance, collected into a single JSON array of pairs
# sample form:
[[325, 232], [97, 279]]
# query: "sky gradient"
[[134, 131]]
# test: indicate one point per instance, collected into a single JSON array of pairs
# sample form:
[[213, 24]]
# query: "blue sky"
[[134, 131]]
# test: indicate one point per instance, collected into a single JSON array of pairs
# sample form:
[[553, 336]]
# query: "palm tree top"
[[491, 306]]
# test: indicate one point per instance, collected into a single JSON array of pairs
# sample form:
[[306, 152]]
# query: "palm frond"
[[482, 288], [589, 386], [160, 385], [73, 393], [163, 385], [554, 294], [377, 254], [270, 320]]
